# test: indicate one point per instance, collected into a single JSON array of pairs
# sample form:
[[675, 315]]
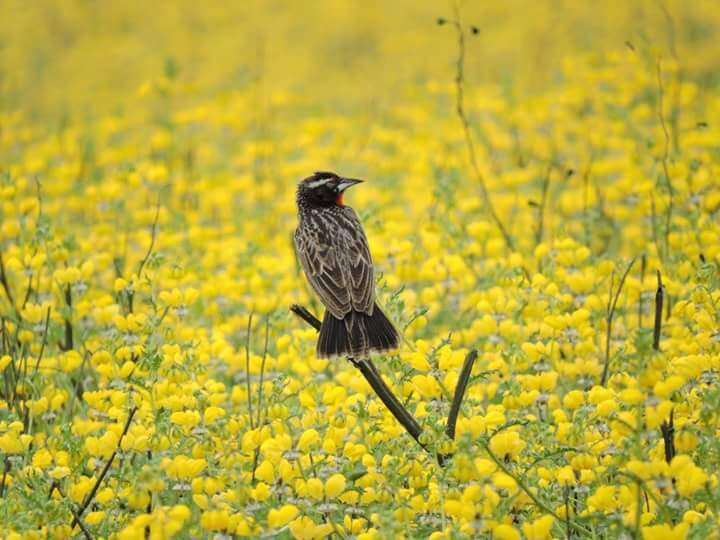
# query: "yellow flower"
[[278, 517], [304, 528], [507, 444], [604, 499], [315, 489], [183, 467], [538, 529], [265, 471], [4, 362], [42, 458], [215, 520], [335, 485], [566, 476], [573, 400], [308, 440], [666, 532], [59, 472], [213, 413], [505, 532]]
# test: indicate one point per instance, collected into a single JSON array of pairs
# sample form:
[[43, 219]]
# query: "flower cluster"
[[153, 383]]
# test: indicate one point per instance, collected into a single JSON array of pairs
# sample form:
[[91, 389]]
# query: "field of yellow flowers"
[[565, 223]]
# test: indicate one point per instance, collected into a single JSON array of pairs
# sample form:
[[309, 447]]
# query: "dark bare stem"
[[28, 291], [665, 157], [586, 198], [256, 455], [143, 262], [667, 428], [643, 268], [675, 114], [76, 518], [381, 389], [6, 286], [533, 497], [44, 342], [262, 371], [638, 510], [149, 507], [369, 371], [460, 389], [541, 208], [91, 495], [566, 496], [6, 470], [653, 226], [609, 319], [69, 342], [248, 337], [306, 316], [659, 297], [153, 238]]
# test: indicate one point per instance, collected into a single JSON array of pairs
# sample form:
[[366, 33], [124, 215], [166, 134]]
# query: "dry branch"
[[390, 400], [659, 297], [612, 304], [106, 468]]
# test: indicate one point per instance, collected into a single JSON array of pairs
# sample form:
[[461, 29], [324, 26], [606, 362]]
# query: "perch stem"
[[390, 400]]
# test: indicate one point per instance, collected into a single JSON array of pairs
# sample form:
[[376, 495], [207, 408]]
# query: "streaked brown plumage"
[[334, 253]]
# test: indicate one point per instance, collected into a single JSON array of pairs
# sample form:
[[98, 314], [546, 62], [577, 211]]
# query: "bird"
[[333, 251]]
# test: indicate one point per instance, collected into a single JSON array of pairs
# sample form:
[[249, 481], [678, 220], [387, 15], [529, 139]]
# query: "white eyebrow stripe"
[[318, 183]]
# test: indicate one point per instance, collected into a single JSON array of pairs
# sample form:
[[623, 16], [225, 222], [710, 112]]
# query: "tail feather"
[[357, 335]]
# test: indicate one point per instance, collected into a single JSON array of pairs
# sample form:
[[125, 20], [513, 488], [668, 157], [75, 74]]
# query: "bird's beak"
[[347, 182]]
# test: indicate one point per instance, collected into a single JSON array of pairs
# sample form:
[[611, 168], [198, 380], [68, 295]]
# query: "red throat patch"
[[339, 200]]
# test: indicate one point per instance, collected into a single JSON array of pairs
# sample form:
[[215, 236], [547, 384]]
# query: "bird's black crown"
[[323, 188]]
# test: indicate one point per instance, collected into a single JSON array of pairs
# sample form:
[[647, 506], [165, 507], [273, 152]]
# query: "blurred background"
[[89, 56]]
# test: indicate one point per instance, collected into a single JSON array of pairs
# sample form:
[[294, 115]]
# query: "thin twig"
[[566, 496], [659, 296], [521, 484], [667, 428], [44, 341], [143, 262], [609, 319], [541, 208], [653, 226], [28, 291], [247, 370], [91, 495], [6, 470], [371, 374], [69, 342], [586, 197], [467, 131], [306, 316], [643, 267], [76, 518], [153, 237], [675, 114], [367, 368], [381, 389], [6, 286], [262, 371]]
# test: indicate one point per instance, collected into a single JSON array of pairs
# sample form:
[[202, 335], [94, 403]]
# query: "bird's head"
[[324, 189]]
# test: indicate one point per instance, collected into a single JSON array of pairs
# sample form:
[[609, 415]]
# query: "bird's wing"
[[336, 259], [323, 270], [360, 272]]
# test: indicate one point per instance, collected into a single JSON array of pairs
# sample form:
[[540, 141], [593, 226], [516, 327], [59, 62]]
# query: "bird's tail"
[[357, 335]]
